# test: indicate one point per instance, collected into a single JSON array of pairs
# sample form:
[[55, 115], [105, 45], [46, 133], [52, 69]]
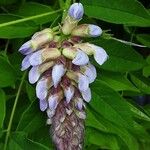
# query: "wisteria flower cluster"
[[59, 65]]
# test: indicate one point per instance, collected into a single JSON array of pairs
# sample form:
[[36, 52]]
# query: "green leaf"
[[104, 141], [6, 2], [92, 121], [7, 74], [122, 58], [144, 39], [148, 59], [26, 10], [121, 132], [30, 92], [117, 81], [138, 112], [32, 119], [129, 12], [19, 141], [19, 30], [2, 107], [111, 105], [141, 82], [146, 71]]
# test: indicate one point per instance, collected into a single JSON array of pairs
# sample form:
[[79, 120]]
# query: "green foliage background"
[[114, 121]]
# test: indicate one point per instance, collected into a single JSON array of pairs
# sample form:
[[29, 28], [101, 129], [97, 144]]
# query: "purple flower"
[[76, 11]]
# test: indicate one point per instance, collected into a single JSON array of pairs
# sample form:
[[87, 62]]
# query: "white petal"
[[90, 72], [50, 113], [93, 69], [34, 75], [49, 121], [36, 58], [76, 11], [87, 95], [81, 58], [43, 105], [26, 63], [69, 92], [100, 54], [53, 102], [41, 89], [57, 72], [79, 103], [94, 30], [83, 83], [26, 49]]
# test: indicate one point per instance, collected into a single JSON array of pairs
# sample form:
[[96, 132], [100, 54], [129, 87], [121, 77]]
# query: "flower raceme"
[[60, 65], [52, 64]]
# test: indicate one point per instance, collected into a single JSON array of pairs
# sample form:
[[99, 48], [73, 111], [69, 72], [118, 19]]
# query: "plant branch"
[[13, 111], [29, 18]]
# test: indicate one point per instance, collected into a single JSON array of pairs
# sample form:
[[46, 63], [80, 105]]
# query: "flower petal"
[[94, 30], [41, 89], [57, 72], [36, 58], [81, 58], [76, 11], [50, 113], [87, 95], [43, 104], [25, 63], [90, 72], [100, 54], [69, 92], [80, 103], [34, 75], [26, 48], [53, 102], [83, 83]]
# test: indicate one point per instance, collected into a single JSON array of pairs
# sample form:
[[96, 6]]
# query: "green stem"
[[6, 47], [29, 18], [13, 111], [67, 5]]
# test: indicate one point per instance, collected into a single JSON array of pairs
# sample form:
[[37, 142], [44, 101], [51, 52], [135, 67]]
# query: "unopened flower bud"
[[25, 63], [79, 103], [49, 121], [99, 53], [42, 87], [57, 72], [36, 71], [75, 13], [36, 42], [90, 72], [78, 57], [44, 55], [86, 95], [81, 58], [83, 82], [43, 104], [87, 30], [69, 93], [53, 102]]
